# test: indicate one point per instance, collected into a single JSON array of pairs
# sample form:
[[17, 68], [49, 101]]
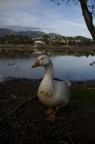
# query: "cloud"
[[43, 14], [19, 18], [18, 12], [16, 4], [70, 28], [64, 25]]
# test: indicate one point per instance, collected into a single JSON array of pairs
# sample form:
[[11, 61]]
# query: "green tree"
[[12, 38], [88, 11], [26, 39], [2, 40], [46, 39]]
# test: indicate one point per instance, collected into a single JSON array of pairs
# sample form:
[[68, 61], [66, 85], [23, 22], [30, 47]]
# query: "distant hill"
[[54, 35], [4, 32], [31, 34], [83, 39]]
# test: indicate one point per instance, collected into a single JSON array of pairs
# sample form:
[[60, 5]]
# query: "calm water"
[[65, 67]]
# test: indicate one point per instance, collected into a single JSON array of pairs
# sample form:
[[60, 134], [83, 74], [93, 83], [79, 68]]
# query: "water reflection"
[[65, 67]]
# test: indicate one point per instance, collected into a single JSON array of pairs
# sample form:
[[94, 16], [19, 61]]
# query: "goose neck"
[[49, 70]]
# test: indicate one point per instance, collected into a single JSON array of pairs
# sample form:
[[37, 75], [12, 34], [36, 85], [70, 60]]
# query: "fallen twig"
[[20, 105]]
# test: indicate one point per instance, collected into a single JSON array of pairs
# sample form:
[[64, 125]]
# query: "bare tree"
[[88, 12]]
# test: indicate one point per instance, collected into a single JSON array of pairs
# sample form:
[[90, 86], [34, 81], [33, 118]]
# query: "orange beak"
[[36, 64]]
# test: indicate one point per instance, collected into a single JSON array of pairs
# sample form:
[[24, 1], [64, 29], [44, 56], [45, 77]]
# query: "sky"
[[64, 19]]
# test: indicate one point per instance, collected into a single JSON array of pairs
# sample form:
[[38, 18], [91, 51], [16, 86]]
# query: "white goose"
[[52, 93]]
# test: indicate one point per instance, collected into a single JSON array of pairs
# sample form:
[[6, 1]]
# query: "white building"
[[38, 43]]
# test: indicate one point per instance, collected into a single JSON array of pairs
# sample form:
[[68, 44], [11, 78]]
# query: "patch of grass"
[[83, 94]]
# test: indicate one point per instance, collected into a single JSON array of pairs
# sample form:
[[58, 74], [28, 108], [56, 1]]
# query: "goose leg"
[[51, 117], [49, 111]]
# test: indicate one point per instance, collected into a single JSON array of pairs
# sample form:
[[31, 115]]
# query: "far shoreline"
[[82, 83], [67, 49]]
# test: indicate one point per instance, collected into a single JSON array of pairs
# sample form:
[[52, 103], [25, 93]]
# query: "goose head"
[[42, 60]]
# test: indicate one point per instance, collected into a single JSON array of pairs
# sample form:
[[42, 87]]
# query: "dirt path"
[[75, 124]]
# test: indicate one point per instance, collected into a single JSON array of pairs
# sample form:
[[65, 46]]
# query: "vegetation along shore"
[[47, 49]]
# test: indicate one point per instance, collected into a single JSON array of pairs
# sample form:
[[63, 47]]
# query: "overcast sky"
[[63, 19]]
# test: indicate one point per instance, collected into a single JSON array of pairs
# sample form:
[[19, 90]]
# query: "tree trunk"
[[88, 18]]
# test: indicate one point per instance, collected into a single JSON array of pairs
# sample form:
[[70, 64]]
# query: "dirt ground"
[[23, 119]]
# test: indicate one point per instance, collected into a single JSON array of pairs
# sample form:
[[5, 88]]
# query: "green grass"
[[83, 94]]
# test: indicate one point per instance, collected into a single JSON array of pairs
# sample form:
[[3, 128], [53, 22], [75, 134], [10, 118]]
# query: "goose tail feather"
[[68, 83]]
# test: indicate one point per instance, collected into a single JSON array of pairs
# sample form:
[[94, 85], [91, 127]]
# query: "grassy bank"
[[83, 94], [75, 124], [13, 92]]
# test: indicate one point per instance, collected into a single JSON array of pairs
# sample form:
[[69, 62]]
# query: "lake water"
[[65, 67]]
